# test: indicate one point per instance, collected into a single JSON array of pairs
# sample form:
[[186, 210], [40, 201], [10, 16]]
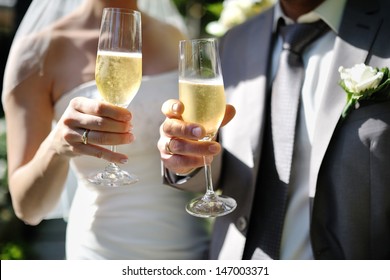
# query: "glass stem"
[[113, 167], [209, 180]]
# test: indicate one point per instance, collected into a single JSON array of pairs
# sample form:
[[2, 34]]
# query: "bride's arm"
[[38, 156], [36, 171]]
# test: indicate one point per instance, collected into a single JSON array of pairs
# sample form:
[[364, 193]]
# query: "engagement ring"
[[167, 147], [84, 137]]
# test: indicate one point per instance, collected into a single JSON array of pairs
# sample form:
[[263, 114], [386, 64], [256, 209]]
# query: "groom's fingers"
[[173, 108]]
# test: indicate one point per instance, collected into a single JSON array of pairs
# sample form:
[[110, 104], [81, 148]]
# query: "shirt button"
[[241, 223]]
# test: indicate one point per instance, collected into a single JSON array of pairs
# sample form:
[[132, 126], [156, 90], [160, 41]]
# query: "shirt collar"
[[330, 11]]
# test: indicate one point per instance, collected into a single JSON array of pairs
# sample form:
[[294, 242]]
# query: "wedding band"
[[84, 137], [167, 147]]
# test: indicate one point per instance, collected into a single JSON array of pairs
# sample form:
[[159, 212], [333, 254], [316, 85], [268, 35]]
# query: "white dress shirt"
[[317, 59]]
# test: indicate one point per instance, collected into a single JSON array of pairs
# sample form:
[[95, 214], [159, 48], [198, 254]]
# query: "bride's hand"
[[101, 124]]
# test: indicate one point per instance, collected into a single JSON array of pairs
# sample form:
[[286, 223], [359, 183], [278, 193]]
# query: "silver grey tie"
[[286, 90]]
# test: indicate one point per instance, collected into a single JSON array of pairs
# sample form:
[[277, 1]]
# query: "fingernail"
[[175, 107], [209, 159], [197, 132], [214, 148], [127, 117]]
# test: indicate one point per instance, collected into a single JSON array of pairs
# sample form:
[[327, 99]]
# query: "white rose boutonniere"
[[362, 82]]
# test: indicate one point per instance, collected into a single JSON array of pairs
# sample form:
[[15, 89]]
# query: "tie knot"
[[297, 36]]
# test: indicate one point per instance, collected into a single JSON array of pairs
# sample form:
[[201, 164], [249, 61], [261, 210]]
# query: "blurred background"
[[47, 240]]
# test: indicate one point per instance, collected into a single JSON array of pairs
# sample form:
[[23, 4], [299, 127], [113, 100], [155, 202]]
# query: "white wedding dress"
[[146, 220]]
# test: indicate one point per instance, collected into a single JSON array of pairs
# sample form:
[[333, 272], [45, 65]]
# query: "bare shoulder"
[[53, 60], [25, 59]]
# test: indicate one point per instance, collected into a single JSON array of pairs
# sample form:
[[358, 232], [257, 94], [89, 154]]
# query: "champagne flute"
[[201, 90], [118, 74]]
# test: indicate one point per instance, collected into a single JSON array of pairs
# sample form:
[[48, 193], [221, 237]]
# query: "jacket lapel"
[[262, 62], [357, 33], [246, 75]]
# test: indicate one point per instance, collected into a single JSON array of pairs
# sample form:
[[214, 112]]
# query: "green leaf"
[[215, 9]]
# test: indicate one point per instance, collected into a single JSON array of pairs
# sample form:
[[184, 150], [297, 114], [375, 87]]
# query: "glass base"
[[113, 176], [209, 206]]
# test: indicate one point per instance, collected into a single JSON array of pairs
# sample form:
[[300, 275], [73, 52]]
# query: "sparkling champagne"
[[118, 76], [204, 103]]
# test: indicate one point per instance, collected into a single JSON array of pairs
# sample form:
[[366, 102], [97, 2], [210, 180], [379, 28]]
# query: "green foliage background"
[[203, 11]]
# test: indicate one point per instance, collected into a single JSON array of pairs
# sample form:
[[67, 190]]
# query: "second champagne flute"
[[118, 74], [202, 92]]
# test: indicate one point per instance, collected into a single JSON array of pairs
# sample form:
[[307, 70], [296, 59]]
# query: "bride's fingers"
[[101, 109], [97, 123], [100, 152], [93, 137], [74, 119]]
